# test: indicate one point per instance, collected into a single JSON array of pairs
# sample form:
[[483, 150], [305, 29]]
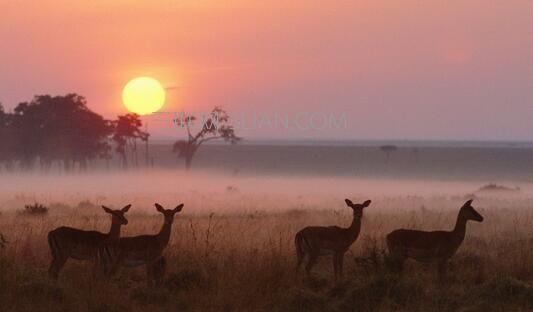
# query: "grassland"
[[237, 254]]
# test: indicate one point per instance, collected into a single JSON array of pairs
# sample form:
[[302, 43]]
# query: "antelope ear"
[[107, 209], [348, 202], [469, 202], [367, 203], [178, 208], [126, 208], [160, 208]]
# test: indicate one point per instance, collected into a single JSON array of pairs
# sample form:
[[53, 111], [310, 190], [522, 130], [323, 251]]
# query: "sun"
[[143, 95]]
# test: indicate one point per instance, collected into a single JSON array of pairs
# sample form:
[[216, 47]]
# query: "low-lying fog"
[[206, 191]]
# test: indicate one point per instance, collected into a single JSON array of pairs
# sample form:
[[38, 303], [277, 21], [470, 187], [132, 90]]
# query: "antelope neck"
[[355, 227], [114, 231], [164, 233], [460, 227]]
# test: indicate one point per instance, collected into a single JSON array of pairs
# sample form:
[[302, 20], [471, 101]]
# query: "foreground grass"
[[245, 262]]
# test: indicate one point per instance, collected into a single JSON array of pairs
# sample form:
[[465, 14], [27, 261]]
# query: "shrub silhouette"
[[35, 210]]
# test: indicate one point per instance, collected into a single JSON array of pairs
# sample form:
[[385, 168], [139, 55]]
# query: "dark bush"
[[87, 204], [493, 187], [502, 289], [35, 210], [299, 299], [146, 296], [39, 291], [185, 280]]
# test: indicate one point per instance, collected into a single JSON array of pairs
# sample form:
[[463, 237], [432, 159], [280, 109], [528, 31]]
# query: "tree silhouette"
[[127, 131], [62, 130], [215, 127], [52, 129], [388, 150], [8, 143]]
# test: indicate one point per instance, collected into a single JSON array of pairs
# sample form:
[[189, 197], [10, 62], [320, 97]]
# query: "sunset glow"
[[143, 95], [372, 60], [282, 155]]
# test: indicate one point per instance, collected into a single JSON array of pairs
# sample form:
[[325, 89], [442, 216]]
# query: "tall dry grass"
[[242, 259]]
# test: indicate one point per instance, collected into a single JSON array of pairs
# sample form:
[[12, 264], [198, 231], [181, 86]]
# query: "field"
[[232, 247]]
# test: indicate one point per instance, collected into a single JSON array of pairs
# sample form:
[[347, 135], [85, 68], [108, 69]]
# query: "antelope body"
[[141, 250], [66, 242], [435, 246], [315, 241]]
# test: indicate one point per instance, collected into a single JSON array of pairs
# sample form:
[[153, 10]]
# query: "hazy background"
[[447, 83], [292, 176], [400, 70]]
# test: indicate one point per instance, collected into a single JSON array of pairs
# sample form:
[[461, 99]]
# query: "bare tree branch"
[[215, 127]]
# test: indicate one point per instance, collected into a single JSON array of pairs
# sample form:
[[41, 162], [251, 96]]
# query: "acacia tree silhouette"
[[127, 131], [215, 127]]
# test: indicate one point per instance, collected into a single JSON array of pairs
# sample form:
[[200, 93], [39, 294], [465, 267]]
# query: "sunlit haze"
[[282, 155], [456, 70]]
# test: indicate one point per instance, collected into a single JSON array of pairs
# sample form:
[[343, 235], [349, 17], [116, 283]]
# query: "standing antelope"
[[66, 242], [436, 246], [141, 250], [316, 241]]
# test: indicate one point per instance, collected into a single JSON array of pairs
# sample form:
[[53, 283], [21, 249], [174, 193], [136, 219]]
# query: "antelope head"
[[469, 213], [117, 216], [357, 208], [169, 213]]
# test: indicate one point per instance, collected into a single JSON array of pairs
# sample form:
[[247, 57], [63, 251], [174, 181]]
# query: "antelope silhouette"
[[141, 250], [66, 242], [435, 246], [315, 241]]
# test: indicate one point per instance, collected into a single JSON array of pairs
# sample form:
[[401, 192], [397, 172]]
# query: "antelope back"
[[323, 240], [66, 240]]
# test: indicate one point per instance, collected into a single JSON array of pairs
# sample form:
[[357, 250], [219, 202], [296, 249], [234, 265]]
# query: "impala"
[[66, 242], [141, 250], [436, 246], [315, 241]]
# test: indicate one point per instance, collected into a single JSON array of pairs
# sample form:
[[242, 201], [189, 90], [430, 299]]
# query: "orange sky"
[[398, 69]]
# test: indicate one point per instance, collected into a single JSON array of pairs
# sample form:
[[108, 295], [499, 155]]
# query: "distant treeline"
[[62, 130]]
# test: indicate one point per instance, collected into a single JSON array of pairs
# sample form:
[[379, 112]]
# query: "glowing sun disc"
[[143, 95]]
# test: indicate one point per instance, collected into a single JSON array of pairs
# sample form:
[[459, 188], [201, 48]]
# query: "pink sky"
[[398, 69]]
